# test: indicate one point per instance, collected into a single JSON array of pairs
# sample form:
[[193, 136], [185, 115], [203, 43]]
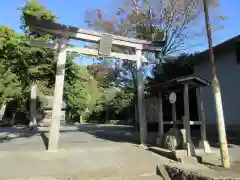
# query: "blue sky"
[[72, 12], [229, 8]]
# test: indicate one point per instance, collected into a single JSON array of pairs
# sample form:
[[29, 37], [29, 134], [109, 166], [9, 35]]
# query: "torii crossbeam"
[[105, 41]]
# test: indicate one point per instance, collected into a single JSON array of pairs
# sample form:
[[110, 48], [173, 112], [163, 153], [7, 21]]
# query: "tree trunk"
[[33, 106], [106, 117], [2, 110], [13, 118], [136, 114], [81, 119]]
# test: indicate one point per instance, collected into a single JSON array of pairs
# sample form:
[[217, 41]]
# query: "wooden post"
[[136, 115], [160, 115], [187, 119], [141, 108], [174, 115], [203, 142], [33, 106], [201, 114], [58, 96], [160, 120]]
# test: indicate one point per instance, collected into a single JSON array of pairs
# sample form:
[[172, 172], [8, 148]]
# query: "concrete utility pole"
[[217, 95]]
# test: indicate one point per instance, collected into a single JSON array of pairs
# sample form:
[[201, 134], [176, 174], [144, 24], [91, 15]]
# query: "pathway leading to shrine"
[[91, 150]]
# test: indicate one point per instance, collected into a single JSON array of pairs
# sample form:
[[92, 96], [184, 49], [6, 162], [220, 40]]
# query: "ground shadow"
[[115, 133], [201, 161], [233, 139], [112, 133], [129, 134], [11, 133], [45, 139]]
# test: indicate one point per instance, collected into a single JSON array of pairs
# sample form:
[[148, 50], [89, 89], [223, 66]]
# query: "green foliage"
[[81, 90], [33, 7], [9, 86], [103, 72], [30, 64], [172, 69], [174, 21], [114, 104], [122, 100], [25, 64], [87, 90]]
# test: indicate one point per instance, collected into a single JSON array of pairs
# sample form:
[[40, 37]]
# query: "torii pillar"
[[141, 100], [69, 32], [58, 94]]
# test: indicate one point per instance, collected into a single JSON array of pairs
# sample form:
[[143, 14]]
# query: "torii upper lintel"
[[60, 30]]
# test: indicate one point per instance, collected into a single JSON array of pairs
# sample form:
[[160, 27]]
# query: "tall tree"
[[81, 91], [33, 7], [9, 87], [171, 69], [104, 72], [31, 65], [172, 20], [37, 67]]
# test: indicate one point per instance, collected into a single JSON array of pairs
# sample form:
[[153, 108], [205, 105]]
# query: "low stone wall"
[[180, 174]]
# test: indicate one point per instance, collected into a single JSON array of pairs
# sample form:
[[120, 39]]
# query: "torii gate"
[[105, 41]]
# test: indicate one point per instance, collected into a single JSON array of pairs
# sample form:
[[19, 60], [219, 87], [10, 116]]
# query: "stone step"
[[150, 177], [34, 178], [141, 177], [177, 155], [153, 177], [133, 171]]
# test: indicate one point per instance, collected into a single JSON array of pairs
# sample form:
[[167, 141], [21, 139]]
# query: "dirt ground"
[[89, 152]]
